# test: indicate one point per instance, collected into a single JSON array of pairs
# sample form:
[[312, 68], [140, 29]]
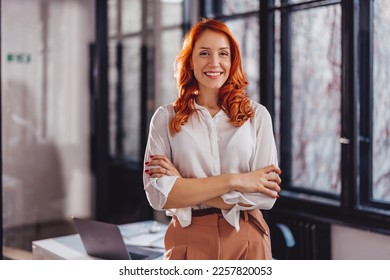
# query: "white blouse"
[[210, 146]]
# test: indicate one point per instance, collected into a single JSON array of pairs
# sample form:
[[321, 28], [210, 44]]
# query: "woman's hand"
[[159, 166], [265, 180]]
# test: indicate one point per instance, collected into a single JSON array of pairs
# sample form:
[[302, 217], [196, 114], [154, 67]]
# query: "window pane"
[[316, 99], [131, 16], [170, 45], [171, 12], [381, 84], [131, 97], [112, 17], [240, 6], [247, 33]]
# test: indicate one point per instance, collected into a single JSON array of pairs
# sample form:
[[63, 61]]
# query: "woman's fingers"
[[162, 161], [159, 158], [271, 168], [273, 177], [156, 172], [271, 181], [265, 180], [270, 193], [160, 165], [272, 186]]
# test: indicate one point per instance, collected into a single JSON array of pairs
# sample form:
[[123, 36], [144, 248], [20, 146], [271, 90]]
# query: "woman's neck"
[[209, 100]]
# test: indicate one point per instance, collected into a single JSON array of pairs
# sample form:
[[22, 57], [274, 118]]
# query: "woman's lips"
[[213, 75]]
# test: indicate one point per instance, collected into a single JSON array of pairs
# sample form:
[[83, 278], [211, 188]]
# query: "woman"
[[211, 158]]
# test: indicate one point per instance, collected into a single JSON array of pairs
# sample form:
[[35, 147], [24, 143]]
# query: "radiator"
[[299, 238]]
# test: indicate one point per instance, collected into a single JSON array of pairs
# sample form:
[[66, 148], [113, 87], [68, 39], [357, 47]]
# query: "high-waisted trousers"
[[211, 237]]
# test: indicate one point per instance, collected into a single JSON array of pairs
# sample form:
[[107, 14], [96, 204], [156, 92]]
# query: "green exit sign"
[[23, 58]]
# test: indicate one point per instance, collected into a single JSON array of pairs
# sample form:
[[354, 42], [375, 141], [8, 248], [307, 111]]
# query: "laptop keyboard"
[[141, 253], [136, 256]]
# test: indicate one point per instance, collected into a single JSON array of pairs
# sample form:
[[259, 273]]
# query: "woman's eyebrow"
[[206, 48]]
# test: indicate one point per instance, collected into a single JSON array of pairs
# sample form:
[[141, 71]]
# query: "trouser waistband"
[[245, 215]]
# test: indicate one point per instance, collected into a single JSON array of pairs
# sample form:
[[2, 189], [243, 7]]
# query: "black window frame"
[[354, 206]]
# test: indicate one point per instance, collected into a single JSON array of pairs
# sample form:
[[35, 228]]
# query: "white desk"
[[70, 247]]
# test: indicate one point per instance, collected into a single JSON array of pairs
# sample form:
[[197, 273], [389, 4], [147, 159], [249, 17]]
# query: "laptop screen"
[[105, 241]]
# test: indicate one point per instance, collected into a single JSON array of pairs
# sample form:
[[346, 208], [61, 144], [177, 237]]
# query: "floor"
[[18, 241]]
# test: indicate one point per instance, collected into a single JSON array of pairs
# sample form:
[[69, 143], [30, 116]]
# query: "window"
[[316, 99], [144, 37], [242, 17], [381, 103], [247, 33], [331, 124]]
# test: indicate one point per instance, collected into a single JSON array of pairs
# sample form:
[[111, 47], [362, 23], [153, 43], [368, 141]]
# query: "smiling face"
[[211, 61]]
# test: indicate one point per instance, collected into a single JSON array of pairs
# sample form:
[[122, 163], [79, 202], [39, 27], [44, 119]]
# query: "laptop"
[[105, 241]]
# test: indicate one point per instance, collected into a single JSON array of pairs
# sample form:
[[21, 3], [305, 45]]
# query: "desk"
[[146, 233]]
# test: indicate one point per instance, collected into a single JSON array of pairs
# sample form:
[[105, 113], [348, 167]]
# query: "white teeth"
[[213, 74]]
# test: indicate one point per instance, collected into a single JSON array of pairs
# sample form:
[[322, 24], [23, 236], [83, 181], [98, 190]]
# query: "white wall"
[[45, 102], [353, 244]]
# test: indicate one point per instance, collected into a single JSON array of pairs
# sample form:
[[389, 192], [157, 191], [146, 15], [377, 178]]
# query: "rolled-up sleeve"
[[265, 150], [157, 189]]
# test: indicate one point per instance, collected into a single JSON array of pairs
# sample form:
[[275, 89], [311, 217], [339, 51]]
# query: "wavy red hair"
[[232, 95]]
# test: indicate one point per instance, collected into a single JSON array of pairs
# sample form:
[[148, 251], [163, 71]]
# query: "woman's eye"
[[224, 53], [204, 53]]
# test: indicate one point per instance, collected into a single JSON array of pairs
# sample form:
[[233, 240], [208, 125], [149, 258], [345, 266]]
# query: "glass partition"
[[45, 118]]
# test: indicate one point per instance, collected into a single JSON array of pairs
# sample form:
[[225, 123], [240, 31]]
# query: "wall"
[[353, 244], [45, 116]]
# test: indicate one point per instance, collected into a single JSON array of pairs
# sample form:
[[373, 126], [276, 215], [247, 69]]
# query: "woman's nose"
[[214, 60]]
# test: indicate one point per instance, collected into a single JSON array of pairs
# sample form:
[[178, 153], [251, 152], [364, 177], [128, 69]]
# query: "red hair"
[[232, 95]]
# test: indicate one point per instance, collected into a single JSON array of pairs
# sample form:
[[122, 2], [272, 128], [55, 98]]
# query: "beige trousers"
[[211, 237]]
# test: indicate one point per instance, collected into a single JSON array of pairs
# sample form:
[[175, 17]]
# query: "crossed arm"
[[187, 192]]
